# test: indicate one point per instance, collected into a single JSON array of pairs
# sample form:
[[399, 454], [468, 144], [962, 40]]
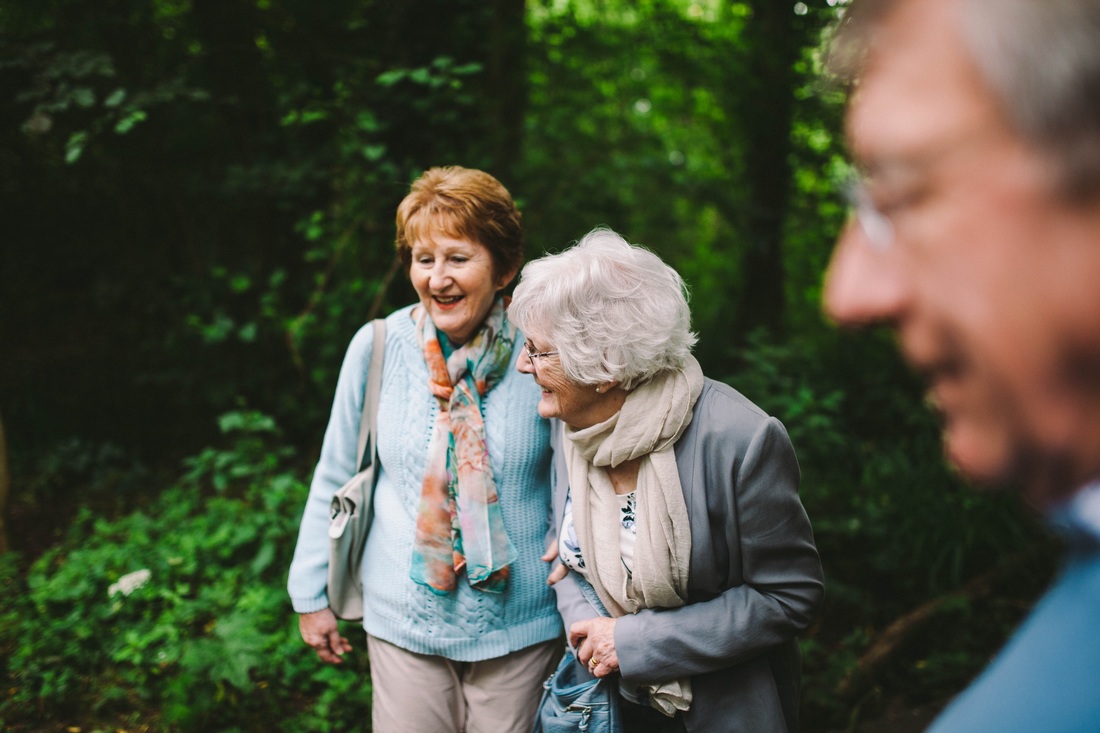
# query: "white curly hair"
[[612, 310]]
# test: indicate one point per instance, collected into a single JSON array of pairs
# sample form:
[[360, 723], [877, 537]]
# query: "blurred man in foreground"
[[975, 125]]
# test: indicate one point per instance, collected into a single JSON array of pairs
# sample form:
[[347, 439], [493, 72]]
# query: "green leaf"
[[115, 98], [373, 152], [127, 123], [389, 78], [466, 69], [84, 97], [75, 146], [366, 121]]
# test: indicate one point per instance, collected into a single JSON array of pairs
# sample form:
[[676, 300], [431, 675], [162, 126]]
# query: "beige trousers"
[[422, 693]]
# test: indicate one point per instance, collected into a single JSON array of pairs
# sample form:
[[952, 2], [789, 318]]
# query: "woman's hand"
[[560, 571], [594, 640], [320, 631]]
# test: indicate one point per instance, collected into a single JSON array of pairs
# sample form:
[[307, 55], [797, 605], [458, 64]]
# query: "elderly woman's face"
[[454, 279], [577, 405]]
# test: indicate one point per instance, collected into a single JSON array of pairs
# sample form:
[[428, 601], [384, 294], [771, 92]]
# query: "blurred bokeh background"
[[198, 201]]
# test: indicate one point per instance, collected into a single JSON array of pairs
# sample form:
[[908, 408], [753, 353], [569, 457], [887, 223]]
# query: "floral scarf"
[[460, 525]]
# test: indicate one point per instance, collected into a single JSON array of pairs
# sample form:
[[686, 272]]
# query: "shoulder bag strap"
[[368, 422]]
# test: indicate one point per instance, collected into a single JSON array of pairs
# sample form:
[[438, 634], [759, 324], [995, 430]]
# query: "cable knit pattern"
[[465, 625]]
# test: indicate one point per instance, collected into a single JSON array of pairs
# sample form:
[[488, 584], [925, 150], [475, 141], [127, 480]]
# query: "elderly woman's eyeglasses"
[[529, 348], [876, 226]]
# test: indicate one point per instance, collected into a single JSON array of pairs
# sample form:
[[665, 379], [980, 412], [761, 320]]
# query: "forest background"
[[198, 214]]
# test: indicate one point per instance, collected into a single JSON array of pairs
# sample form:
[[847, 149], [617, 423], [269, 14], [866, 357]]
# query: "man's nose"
[[863, 284]]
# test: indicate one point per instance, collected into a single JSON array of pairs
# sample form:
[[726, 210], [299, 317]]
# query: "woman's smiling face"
[[577, 405], [456, 284]]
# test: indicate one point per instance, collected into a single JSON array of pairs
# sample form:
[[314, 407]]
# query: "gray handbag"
[[351, 510]]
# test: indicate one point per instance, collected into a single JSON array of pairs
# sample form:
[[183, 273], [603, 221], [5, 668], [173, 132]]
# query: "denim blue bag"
[[573, 700]]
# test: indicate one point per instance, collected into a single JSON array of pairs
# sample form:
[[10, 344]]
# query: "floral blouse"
[[570, 549]]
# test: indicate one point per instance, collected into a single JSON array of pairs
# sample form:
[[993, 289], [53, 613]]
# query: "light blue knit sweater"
[[465, 625]]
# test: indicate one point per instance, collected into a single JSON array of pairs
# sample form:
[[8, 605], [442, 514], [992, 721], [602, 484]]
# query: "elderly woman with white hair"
[[688, 563]]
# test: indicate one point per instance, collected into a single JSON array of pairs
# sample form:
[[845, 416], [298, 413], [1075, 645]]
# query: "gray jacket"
[[755, 577]]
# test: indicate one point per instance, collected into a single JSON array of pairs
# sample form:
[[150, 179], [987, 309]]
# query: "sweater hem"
[[489, 645]]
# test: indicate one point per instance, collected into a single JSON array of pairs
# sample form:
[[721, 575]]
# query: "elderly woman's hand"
[[558, 572], [320, 631], [594, 640]]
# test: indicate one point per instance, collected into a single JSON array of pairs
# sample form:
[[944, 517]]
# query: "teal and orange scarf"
[[460, 525]]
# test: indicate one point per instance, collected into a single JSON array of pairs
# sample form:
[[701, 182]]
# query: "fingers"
[[338, 644], [320, 631], [331, 648], [589, 627], [325, 655], [594, 641], [600, 659], [331, 652], [603, 666], [559, 572], [578, 632]]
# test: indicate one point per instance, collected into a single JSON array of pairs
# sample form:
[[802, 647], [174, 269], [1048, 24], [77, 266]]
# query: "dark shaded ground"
[[900, 718]]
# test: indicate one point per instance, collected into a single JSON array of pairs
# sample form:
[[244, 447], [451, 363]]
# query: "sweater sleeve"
[[771, 533], [308, 575]]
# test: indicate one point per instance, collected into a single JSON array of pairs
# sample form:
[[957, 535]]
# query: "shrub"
[[176, 617]]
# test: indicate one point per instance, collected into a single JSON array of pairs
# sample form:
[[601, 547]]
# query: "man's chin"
[[981, 462], [1046, 479], [1042, 480]]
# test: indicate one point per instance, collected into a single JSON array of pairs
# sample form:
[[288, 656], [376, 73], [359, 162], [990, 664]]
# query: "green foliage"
[[643, 118], [82, 86], [873, 472], [176, 616], [51, 488], [229, 173]]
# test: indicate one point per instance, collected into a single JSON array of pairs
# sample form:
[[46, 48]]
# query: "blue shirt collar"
[[1080, 514]]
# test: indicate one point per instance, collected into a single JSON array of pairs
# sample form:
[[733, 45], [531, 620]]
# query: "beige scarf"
[[651, 420]]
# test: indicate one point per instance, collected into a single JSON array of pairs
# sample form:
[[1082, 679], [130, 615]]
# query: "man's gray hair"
[[613, 310], [1041, 59]]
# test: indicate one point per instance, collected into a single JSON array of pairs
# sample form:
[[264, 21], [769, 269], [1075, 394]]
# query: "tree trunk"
[[5, 488], [506, 85], [773, 41]]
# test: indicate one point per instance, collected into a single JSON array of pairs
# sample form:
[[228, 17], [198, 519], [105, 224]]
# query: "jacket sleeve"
[[572, 605], [756, 522], [308, 575]]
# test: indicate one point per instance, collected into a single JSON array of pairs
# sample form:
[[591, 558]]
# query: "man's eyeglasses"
[[908, 175], [876, 226]]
